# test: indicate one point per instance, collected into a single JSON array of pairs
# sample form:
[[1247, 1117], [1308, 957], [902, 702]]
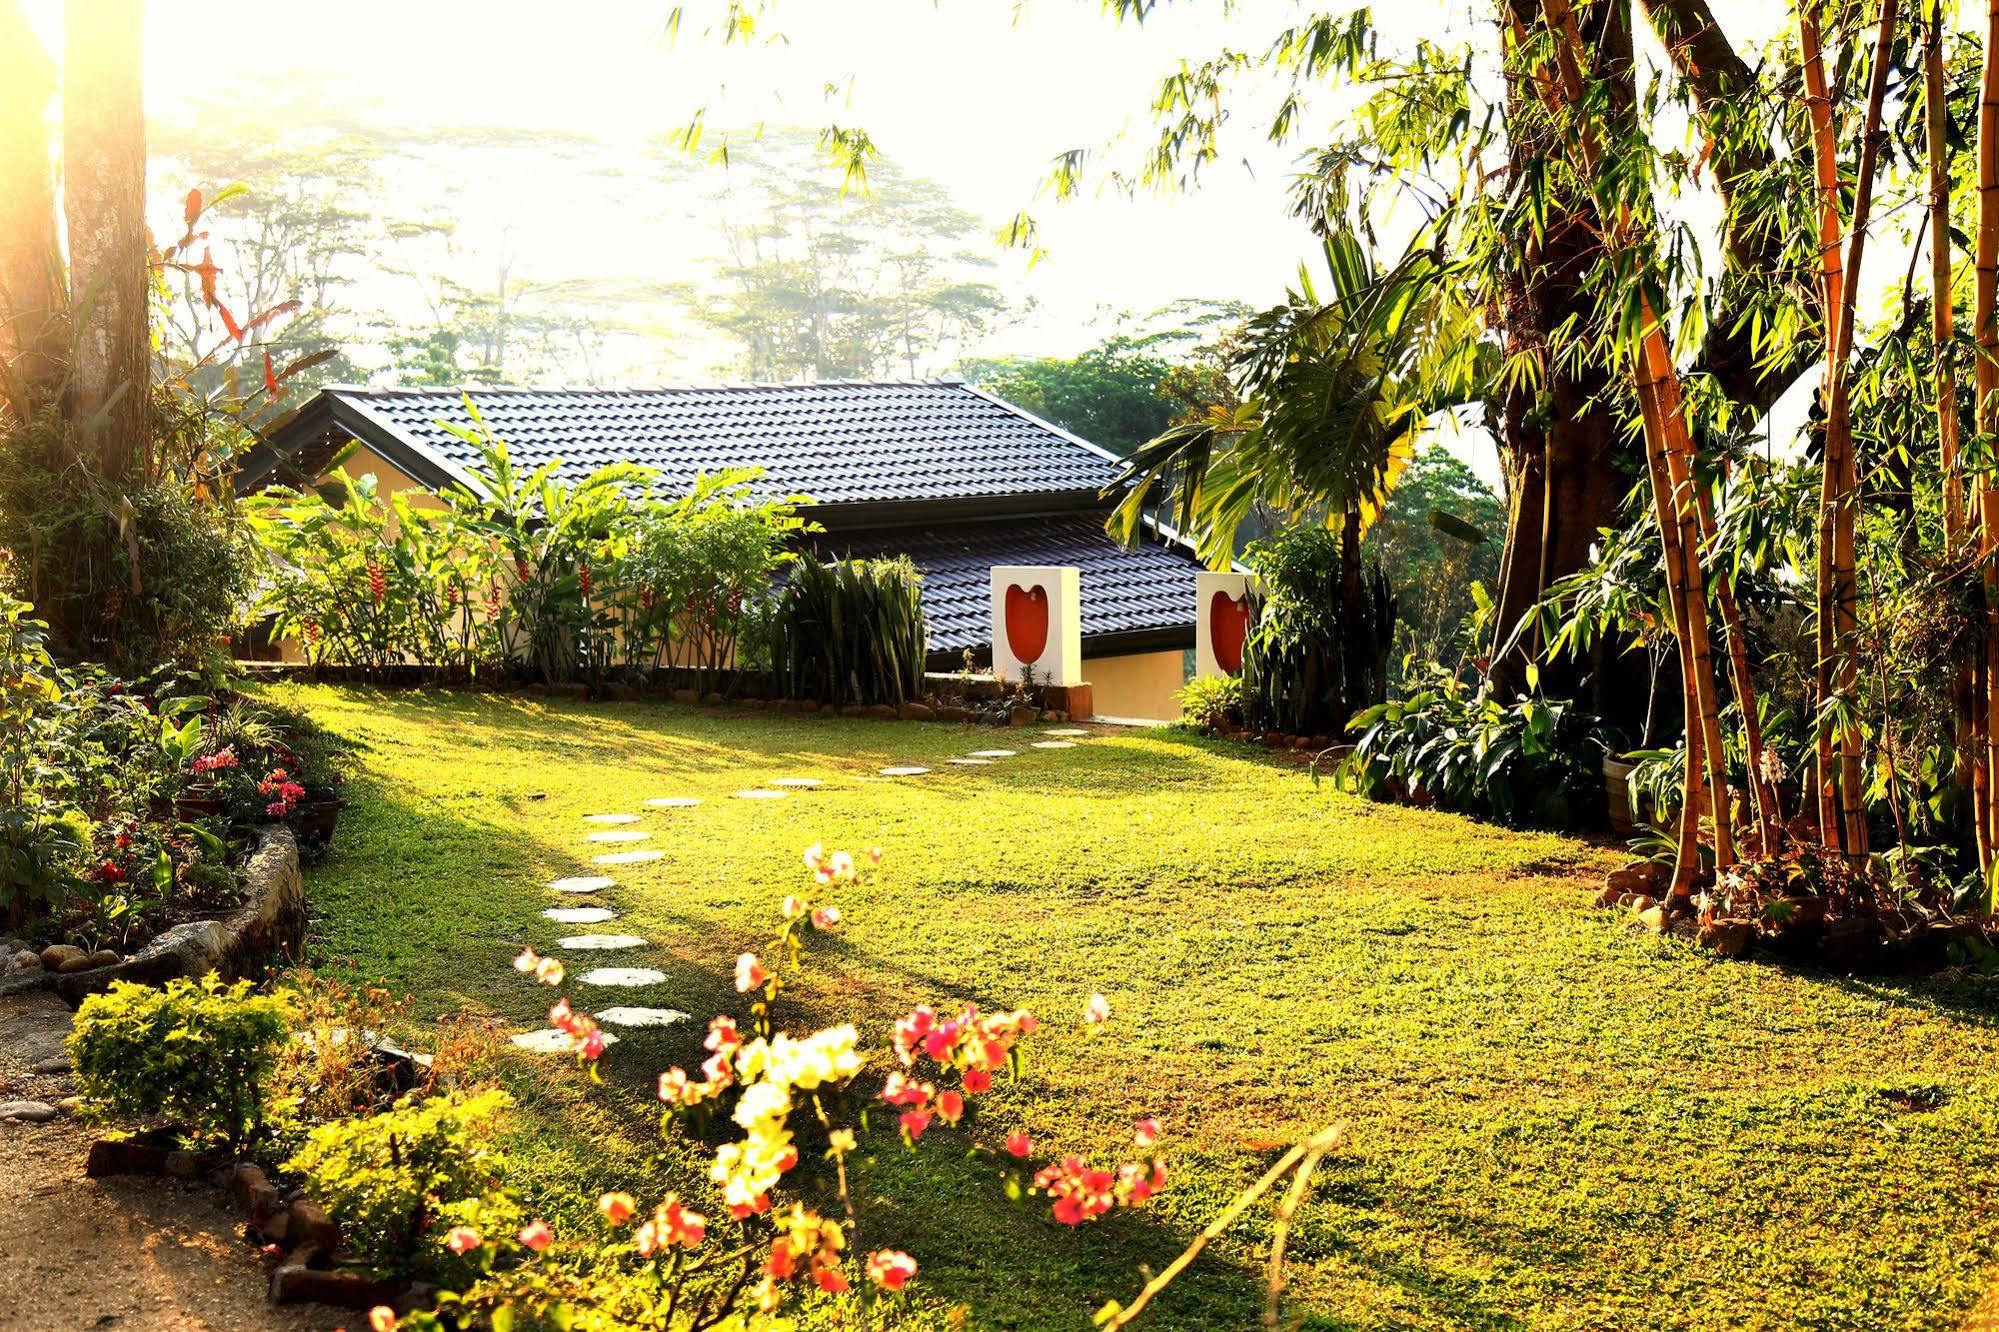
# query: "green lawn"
[[1555, 1121]]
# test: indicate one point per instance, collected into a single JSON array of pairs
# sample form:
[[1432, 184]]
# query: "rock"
[[105, 957], [181, 1165], [303, 1225], [301, 1279], [54, 1064], [71, 965], [124, 1156], [1610, 896], [852, 710], [1641, 877], [1640, 901], [949, 713], [753, 704], [55, 956], [28, 1112], [1653, 918], [1056, 715], [687, 696], [712, 699], [879, 711], [1729, 938], [254, 1194], [23, 963], [1024, 715], [916, 712]]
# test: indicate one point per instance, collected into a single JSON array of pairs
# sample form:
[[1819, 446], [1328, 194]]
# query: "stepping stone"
[[600, 943], [628, 857], [579, 915], [994, 753], [1067, 730], [550, 1041], [583, 883], [641, 1017], [625, 818], [1038, 744], [672, 802], [796, 783], [760, 795], [904, 772], [971, 762], [28, 1112], [623, 835], [622, 976]]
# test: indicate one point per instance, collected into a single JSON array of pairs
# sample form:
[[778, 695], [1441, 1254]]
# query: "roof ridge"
[[458, 390]]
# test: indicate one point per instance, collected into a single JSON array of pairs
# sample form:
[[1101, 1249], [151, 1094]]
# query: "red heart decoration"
[[1228, 625], [1026, 623]]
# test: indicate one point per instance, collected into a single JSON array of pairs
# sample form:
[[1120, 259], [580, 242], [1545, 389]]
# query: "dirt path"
[[119, 1253]]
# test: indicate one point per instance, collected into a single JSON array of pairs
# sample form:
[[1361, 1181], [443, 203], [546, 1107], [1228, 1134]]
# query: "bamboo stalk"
[[1986, 333]]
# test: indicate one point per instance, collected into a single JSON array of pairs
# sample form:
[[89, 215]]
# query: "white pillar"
[[1222, 619], [1038, 623]]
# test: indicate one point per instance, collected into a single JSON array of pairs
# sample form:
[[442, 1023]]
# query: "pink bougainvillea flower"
[[891, 1269], [536, 1235], [875, 855], [1019, 1144], [780, 1265], [793, 906], [675, 1088], [1147, 1132], [722, 1035], [825, 918], [462, 1240], [527, 961], [593, 1043], [382, 1318], [899, 1090], [749, 973], [549, 971], [914, 1122], [841, 864], [978, 1080], [830, 1278], [815, 856], [1097, 1011], [950, 1107], [678, 1225], [617, 1207]]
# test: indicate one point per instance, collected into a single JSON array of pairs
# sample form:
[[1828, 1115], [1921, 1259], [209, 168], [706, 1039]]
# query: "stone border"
[[271, 919]]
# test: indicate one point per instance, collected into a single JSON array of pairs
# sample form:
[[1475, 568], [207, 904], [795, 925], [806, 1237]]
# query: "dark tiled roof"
[[1148, 590], [839, 442]]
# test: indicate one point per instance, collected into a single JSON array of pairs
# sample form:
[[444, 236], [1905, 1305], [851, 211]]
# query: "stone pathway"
[[549, 1040]]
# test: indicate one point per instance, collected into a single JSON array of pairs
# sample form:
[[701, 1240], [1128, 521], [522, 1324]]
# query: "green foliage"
[[528, 574], [1532, 761], [1442, 532], [852, 631], [192, 1054], [1211, 702], [1118, 394], [1318, 650], [134, 570], [399, 1180]]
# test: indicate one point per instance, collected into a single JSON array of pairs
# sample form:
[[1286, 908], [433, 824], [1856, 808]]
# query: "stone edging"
[[272, 918]]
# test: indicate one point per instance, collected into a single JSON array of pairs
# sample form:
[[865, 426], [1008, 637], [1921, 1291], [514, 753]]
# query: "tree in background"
[[1129, 387], [829, 282], [1439, 535]]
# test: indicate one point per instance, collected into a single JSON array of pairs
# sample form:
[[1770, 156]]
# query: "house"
[[952, 477]]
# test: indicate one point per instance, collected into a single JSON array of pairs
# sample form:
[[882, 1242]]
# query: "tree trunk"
[[1985, 328], [32, 337], [104, 203]]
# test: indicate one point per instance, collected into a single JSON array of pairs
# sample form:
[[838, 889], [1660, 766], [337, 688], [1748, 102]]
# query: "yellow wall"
[[1140, 685]]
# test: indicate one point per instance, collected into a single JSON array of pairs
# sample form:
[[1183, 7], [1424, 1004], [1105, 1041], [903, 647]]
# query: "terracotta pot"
[[1617, 794], [317, 820]]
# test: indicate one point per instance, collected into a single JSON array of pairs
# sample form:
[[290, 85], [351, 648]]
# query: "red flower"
[[891, 1269]]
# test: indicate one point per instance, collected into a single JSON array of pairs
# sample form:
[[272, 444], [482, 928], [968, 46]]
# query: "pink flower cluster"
[[972, 1044], [671, 1224], [224, 757], [1083, 1192], [547, 970], [718, 1074], [283, 793], [584, 1036]]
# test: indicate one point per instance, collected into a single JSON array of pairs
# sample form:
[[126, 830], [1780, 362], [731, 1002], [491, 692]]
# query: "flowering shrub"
[[769, 1087]]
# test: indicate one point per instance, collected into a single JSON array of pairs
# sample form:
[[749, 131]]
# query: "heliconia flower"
[[978, 1080], [617, 1207], [950, 1107], [825, 918], [462, 1240], [382, 1318], [1147, 1132], [1019, 1144], [891, 1269], [1097, 1011], [536, 1235], [585, 579], [378, 582], [914, 1122], [749, 973]]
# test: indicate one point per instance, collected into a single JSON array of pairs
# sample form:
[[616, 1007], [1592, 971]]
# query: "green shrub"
[[1211, 702], [1316, 654], [852, 632], [398, 1181], [1535, 760], [195, 1055]]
